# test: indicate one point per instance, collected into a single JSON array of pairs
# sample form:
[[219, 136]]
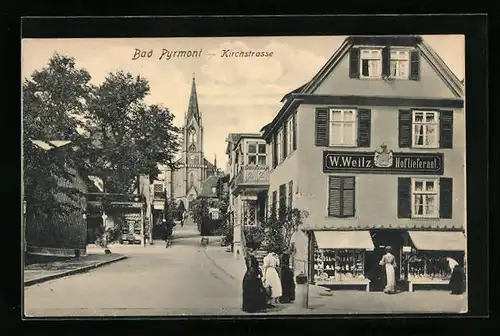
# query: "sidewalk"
[[45, 271], [331, 302]]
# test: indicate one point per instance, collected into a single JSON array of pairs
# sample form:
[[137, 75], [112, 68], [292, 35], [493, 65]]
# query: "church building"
[[185, 182]]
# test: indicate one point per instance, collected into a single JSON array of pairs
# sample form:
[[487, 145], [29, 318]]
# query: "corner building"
[[373, 147]]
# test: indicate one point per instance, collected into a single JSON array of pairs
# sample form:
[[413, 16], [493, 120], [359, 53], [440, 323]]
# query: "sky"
[[234, 94]]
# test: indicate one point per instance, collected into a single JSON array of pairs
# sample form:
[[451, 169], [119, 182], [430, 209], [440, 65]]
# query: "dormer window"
[[371, 63]]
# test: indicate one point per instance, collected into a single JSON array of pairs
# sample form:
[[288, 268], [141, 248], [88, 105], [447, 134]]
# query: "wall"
[[375, 195], [430, 84]]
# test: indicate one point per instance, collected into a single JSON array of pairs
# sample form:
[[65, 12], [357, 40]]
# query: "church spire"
[[193, 103], [215, 164]]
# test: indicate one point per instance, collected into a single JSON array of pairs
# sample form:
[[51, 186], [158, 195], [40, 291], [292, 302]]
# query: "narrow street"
[[154, 280]]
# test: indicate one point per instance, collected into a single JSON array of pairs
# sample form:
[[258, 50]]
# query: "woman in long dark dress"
[[287, 282], [457, 280], [254, 294]]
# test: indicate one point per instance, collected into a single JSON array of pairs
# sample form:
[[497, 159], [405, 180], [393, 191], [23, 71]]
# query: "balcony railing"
[[252, 175]]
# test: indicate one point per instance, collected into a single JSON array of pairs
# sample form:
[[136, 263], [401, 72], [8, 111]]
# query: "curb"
[[71, 272]]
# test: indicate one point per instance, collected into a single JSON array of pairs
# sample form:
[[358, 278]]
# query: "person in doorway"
[[271, 277], [457, 280], [388, 261], [254, 293], [287, 282]]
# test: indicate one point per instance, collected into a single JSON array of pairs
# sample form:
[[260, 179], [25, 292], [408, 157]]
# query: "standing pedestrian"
[[254, 293], [271, 277], [287, 282], [389, 262], [457, 279]]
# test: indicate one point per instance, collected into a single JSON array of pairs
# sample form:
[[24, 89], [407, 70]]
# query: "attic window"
[[371, 63], [400, 64]]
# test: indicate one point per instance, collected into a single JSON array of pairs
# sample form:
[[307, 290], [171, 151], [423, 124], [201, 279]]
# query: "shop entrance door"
[[382, 239]]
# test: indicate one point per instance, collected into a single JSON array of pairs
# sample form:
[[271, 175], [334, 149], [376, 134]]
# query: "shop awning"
[[344, 240], [438, 241]]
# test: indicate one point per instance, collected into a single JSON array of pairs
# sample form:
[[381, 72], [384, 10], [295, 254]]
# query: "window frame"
[[436, 193], [398, 61], [257, 155], [289, 136], [354, 123], [363, 57], [279, 144], [436, 123]]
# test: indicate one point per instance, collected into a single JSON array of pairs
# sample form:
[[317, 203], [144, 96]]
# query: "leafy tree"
[[198, 209], [51, 100], [279, 228], [127, 137]]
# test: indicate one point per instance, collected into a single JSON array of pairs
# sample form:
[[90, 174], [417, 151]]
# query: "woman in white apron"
[[389, 261], [271, 278]]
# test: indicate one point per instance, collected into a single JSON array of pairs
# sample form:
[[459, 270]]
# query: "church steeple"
[[193, 110]]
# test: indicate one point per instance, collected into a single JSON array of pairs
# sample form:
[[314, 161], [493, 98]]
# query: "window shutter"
[[405, 128], [445, 197], [284, 141], [334, 196], [290, 194], [322, 138], [294, 125], [348, 190], [275, 151], [404, 197], [446, 129], [354, 59], [414, 65], [386, 62], [282, 200], [364, 127]]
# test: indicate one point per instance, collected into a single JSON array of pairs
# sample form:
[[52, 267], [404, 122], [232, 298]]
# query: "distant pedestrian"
[[389, 263], [271, 277], [254, 293], [457, 280], [168, 227], [287, 282]]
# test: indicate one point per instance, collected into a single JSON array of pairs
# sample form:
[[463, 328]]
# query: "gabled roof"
[[427, 52], [48, 145], [234, 138], [293, 98], [206, 189]]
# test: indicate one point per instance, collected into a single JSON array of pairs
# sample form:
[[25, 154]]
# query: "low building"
[[248, 183], [373, 148], [50, 231]]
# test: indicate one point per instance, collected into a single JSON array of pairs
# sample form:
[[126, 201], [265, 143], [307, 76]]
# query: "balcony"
[[252, 177]]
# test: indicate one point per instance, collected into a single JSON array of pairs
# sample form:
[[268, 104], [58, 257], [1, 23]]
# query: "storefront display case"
[[429, 268], [339, 267]]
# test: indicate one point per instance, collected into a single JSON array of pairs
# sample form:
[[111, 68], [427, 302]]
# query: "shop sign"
[[383, 161]]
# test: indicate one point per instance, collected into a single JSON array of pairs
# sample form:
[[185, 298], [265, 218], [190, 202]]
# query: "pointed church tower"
[[194, 174]]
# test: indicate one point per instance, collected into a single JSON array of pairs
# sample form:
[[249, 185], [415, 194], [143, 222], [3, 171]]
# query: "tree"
[[127, 137], [279, 228], [198, 209], [52, 99]]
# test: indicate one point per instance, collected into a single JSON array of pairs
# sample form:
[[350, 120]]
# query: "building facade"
[[184, 183], [248, 183], [373, 147]]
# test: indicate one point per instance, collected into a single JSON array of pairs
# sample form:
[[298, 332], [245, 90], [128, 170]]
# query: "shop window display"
[[424, 266], [338, 265]]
